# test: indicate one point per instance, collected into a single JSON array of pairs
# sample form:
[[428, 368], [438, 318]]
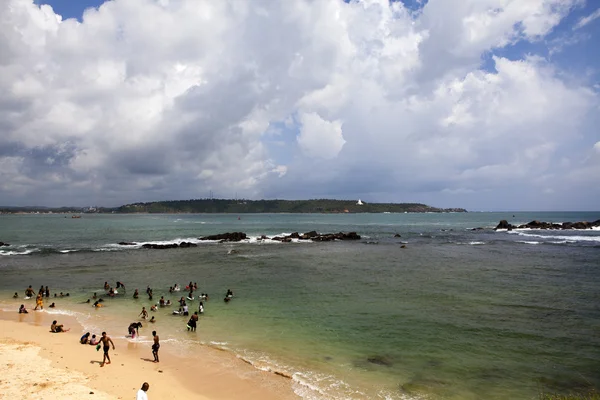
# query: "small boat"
[[75, 216]]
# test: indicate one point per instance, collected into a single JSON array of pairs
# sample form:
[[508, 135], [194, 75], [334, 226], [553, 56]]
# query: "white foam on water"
[[68, 251], [527, 242], [476, 243], [572, 239], [17, 253]]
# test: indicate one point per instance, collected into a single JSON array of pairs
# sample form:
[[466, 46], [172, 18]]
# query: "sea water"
[[443, 311]]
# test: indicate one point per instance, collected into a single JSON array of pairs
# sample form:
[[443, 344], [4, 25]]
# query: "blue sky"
[[459, 103]]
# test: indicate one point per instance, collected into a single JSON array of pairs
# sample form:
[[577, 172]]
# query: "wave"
[[562, 238]]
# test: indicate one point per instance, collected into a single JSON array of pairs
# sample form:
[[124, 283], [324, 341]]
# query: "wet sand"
[[37, 363]]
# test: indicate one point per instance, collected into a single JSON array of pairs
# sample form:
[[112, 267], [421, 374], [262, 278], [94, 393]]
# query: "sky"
[[481, 104]]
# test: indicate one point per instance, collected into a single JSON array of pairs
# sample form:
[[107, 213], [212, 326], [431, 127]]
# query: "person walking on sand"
[[105, 345], [155, 346], [141, 394]]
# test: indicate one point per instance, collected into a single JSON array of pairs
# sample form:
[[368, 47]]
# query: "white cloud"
[[153, 99], [586, 20], [320, 138]]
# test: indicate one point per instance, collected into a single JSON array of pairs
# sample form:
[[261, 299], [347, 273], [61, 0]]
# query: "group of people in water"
[[133, 329]]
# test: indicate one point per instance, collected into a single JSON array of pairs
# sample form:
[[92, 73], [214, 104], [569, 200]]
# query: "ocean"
[[445, 311]]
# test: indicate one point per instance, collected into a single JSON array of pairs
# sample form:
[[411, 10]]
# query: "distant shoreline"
[[234, 206]]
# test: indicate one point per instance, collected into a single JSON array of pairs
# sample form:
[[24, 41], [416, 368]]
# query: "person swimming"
[[152, 319], [97, 303], [52, 305]]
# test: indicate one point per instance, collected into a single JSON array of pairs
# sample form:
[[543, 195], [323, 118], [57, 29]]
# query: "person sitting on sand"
[[93, 340], [16, 295], [85, 338], [57, 328], [52, 305], [23, 310], [144, 313]]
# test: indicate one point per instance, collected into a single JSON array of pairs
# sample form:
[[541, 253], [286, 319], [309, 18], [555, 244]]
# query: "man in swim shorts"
[[155, 346], [105, 345]]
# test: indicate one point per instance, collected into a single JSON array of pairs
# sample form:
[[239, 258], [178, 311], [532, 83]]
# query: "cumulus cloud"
[[146, 100]]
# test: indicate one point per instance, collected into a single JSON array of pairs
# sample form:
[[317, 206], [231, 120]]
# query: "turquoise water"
[[457, 314]]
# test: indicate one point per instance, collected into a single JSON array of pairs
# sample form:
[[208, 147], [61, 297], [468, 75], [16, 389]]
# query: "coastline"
[[72, 370]]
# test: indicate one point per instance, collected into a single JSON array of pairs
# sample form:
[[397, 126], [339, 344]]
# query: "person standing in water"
[[155, 346], [144, 313], [39, 301], [105, 344]]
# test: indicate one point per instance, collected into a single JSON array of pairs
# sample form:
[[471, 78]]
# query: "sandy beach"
[[37, 363]]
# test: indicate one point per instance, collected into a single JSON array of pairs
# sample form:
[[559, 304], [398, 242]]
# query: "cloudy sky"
[[482, 104]]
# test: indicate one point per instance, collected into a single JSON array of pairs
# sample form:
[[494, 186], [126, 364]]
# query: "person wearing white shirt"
[[141, 394]]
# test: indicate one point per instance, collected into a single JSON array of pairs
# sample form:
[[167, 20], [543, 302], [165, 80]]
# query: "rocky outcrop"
[[548, 225], [4, 244], [226, 237], [317, 237], [168, 245]]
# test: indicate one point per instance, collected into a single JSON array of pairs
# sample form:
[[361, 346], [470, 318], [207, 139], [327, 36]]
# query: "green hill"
[[276, 206]]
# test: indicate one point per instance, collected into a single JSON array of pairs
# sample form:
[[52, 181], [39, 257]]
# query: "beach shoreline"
[[73, 369]]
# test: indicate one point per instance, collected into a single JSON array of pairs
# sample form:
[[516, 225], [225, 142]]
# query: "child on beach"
[[94, 340], [144, 313], [23, 310], [16, 295]]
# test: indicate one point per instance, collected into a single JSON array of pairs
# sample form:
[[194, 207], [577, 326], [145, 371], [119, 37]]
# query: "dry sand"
[[35, 363]]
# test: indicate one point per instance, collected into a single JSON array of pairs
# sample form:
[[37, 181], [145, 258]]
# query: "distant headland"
[[231, 206]]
